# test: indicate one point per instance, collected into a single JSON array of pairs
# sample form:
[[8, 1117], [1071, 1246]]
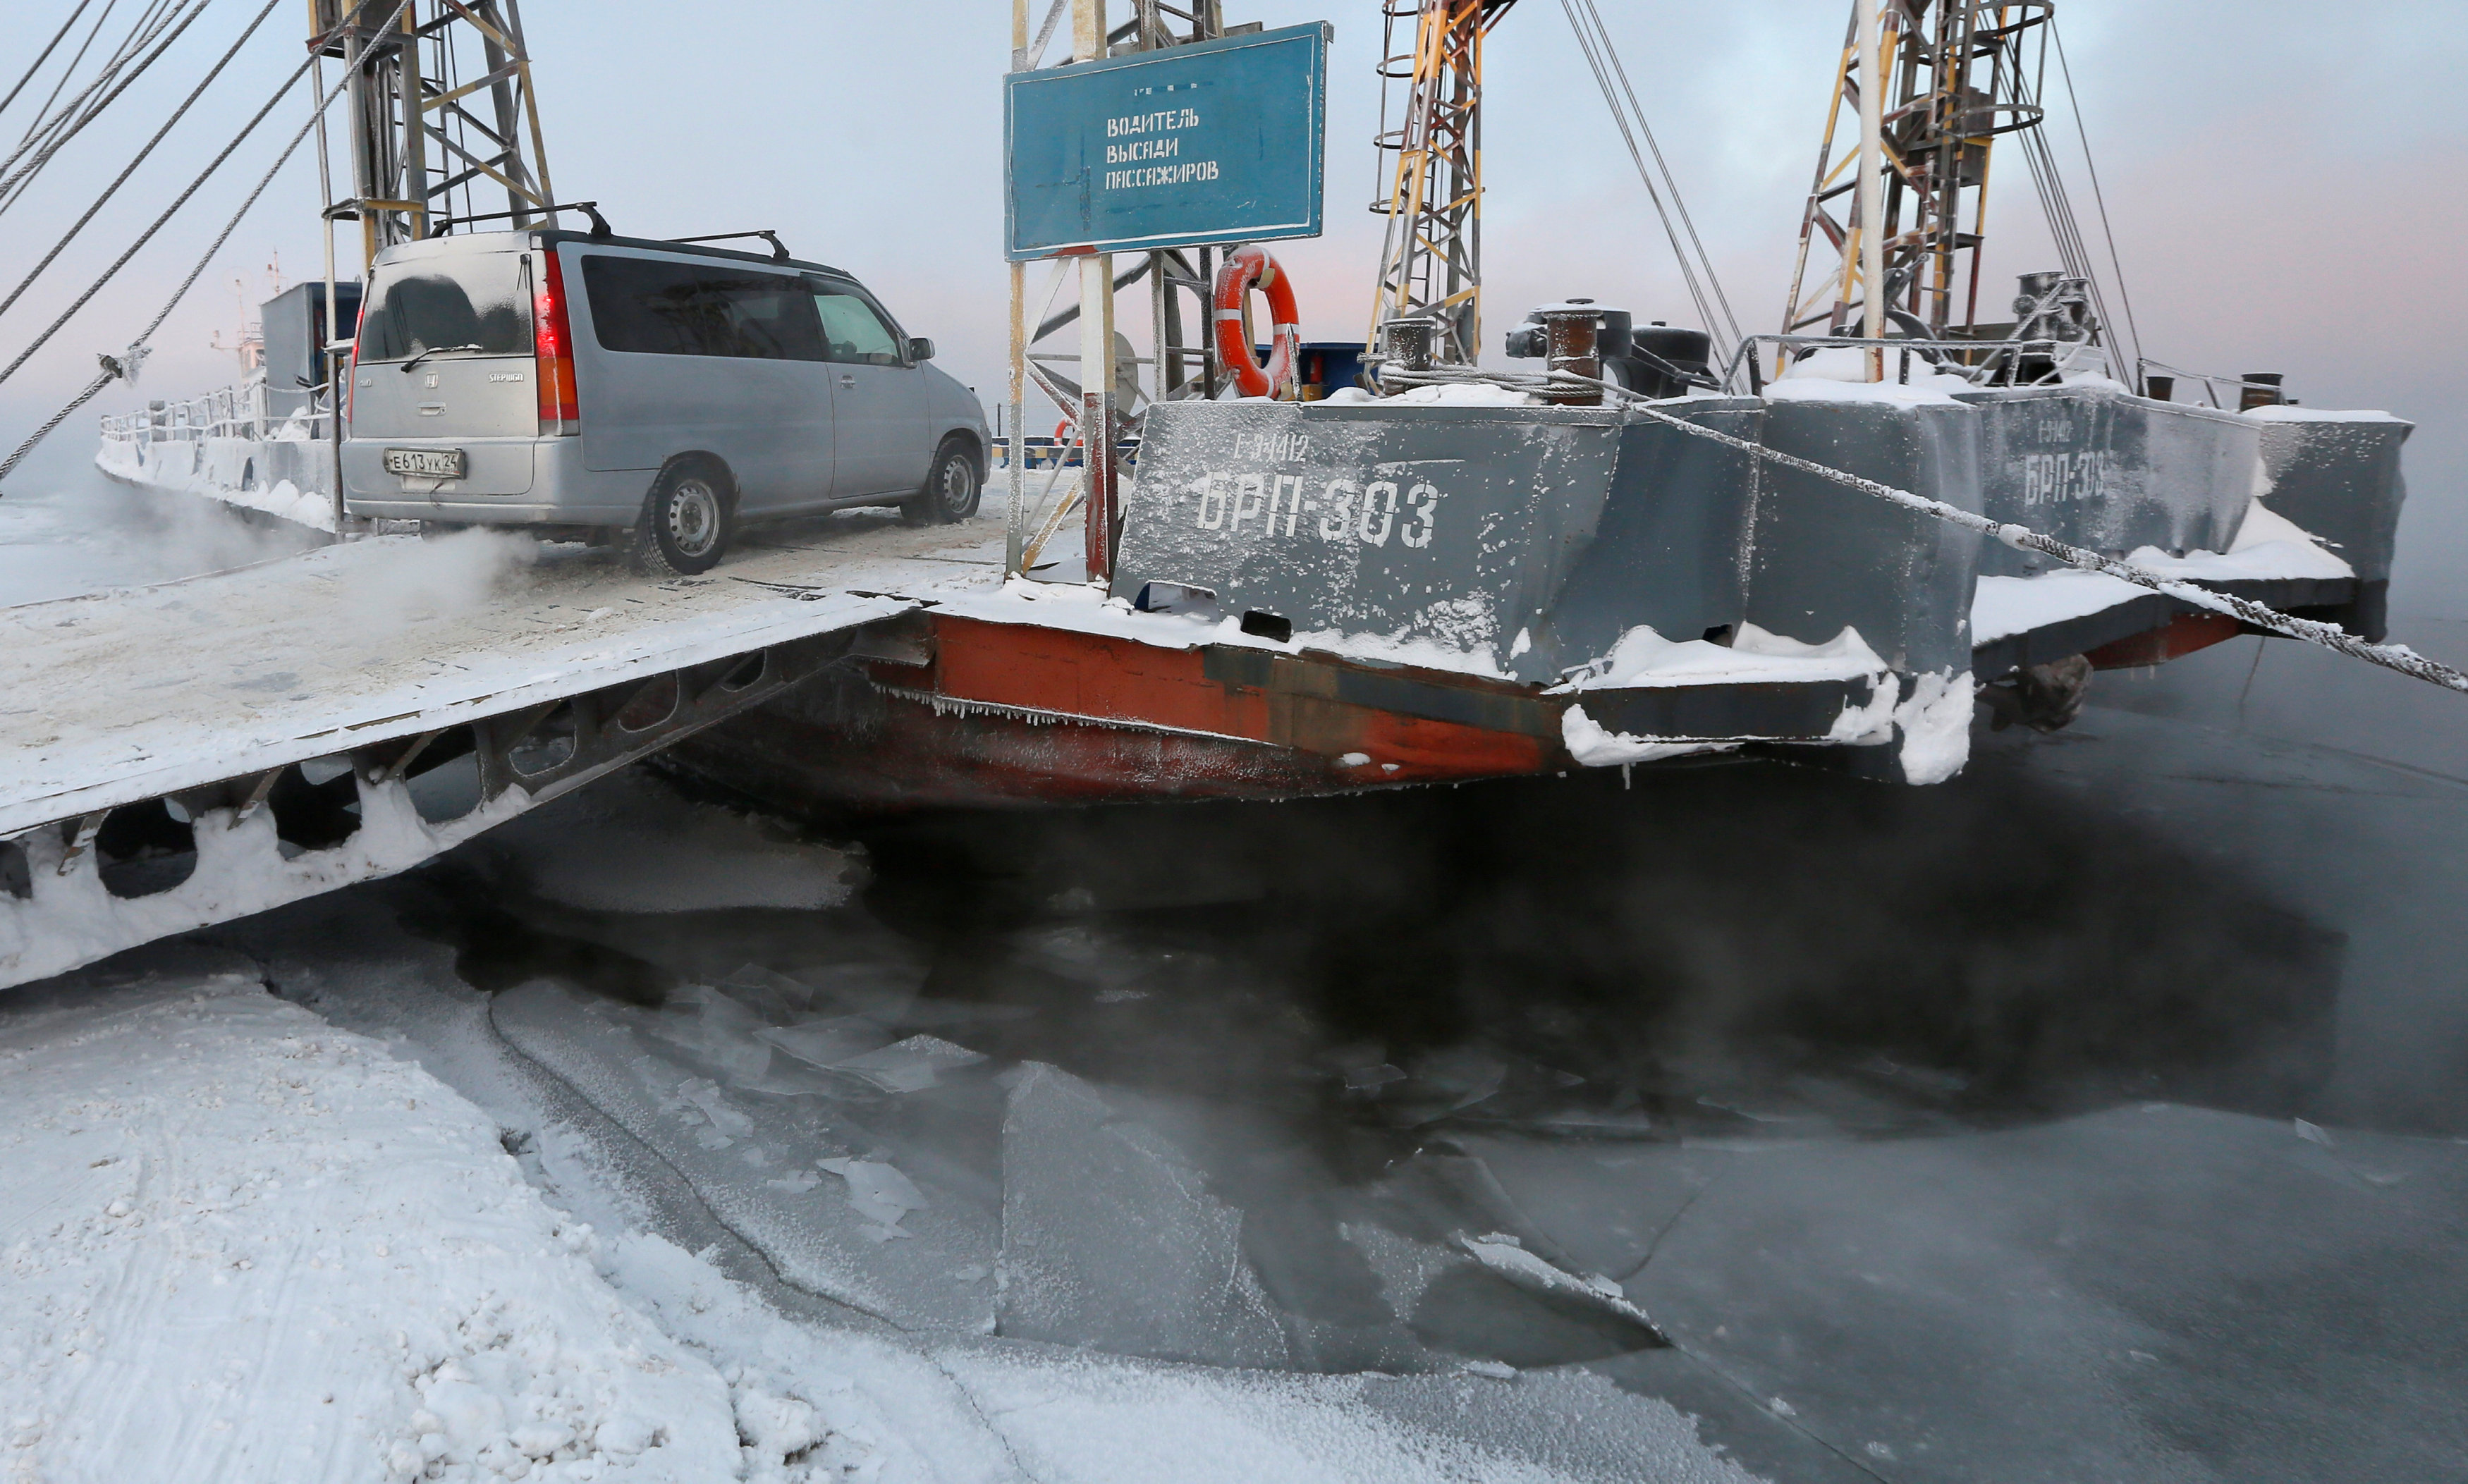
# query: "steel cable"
[[12, 185], [1588, 44], [1679, 203], [123, 179], [48, 120], [157, 225], [2098, 198], [92, 388], [44, 113], [56, 38], [2330, 636], [127, 367]]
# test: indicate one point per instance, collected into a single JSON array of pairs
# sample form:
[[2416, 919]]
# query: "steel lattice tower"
[[1430, 265], [1958, 73], [414, 144]]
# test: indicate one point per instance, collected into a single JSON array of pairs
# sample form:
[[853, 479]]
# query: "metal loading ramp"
[[192, 753]]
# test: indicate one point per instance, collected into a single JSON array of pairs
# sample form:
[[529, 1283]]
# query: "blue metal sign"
[[1219, 141]]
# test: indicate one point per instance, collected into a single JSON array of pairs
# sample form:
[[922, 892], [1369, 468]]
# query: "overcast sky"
[[2288, 184]]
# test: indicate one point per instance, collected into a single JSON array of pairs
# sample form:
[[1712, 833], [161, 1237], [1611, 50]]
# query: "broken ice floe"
[[1506, 1256], [762, 1174], [1111, 1241], [878, 1192], [909, 1065]]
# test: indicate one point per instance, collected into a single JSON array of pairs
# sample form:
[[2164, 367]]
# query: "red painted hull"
[[971, 714], [1011, 715]]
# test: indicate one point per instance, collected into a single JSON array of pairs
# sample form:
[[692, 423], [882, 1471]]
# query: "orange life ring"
[[1243, 268], [1065, 431]]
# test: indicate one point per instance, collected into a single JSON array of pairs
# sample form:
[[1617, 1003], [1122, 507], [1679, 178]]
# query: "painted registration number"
[[426, 462]]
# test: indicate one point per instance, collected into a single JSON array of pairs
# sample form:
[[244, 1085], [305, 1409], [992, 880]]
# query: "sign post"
[[1097, 409], [1216, 141]]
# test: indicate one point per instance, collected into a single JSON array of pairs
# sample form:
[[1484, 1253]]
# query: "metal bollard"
[[2261, 388], [1407, 342], [1570, 344]]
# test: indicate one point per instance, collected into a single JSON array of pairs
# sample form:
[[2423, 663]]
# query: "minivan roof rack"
[[779, 249], [655, 243], [590, 209]]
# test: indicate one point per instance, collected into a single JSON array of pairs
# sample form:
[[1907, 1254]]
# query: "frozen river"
[[2100, 1115]]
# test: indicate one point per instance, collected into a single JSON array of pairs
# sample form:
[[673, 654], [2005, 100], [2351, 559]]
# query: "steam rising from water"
[[75, 531]]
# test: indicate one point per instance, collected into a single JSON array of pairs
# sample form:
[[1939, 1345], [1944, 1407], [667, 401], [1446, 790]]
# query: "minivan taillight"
[[553, 342]]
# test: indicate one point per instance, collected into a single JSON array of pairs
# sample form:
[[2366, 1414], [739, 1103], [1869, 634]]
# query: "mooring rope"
[[2330, 636]]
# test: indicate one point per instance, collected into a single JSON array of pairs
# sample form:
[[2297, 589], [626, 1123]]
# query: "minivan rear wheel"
[[685, 523], [951, 489]]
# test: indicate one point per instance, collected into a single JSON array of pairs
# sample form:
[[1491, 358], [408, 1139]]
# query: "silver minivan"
[[660, 394]]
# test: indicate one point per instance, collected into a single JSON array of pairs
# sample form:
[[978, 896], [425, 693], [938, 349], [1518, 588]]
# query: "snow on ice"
[[243, 1245]]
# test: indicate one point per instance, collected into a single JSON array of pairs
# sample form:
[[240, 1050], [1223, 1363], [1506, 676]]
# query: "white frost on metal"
[[2282, 413], [1870, 723], [2003, 607], [2268, 546], [1466, 394], [1839, 373], [1594, 746], [71, 919], [1077, 609], [1935, 724], [214, 476], [1644, 658]]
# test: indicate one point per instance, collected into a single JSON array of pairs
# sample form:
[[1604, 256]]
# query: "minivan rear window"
[[685, 308], [437, 304]]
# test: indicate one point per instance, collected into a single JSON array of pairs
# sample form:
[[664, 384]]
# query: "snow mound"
[[1839, 373]]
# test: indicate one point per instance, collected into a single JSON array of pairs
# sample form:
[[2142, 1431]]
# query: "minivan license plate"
[[426, 462]]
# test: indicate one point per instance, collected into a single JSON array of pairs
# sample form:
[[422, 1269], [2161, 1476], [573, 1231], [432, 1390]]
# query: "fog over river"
[[2102, 1114]]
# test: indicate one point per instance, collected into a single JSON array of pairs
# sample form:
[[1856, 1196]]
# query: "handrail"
[[228, 412]]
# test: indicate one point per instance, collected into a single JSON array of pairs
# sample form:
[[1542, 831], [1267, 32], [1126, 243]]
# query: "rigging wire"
[[2057, 206], [144, 30], [14, 184], [125, 366], [1593, 47], [1677, 202], [37, 66], [48, 133], [177, 202], [81, 225], [45, 111], [2098, 198]]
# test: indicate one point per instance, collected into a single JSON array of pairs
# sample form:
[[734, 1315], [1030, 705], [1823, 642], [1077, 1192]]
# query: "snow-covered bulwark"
[[289, 478]]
